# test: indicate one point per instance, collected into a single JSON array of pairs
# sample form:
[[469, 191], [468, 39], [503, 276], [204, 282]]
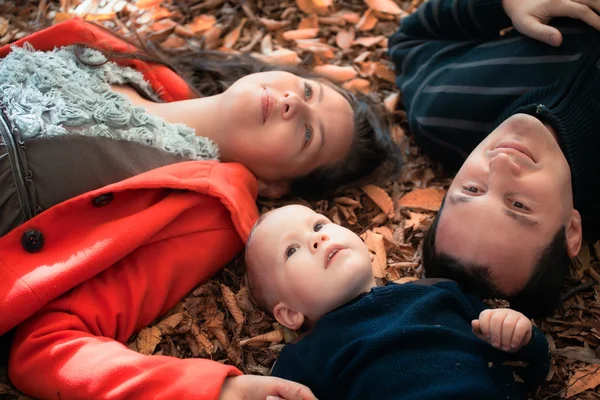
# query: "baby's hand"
[[503, 328]]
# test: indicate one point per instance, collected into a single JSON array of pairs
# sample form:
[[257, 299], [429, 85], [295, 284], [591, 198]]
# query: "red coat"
[[112, 261]]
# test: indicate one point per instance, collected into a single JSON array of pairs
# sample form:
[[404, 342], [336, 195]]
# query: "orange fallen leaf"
[[232, 305], [367, 21], [415, 220], [332, 21], [275, 336], [336, 73], [147, 340], [280, 57], [62, 17], [234, 35], [349, 16], [344, 38], [374, 243], [425, 199], [212, 37], [266, 44], [583, 379], [310, 6], [202, 23], [385, 6], [384, 72], [381, 198], [273, 25], [184, 31], [161, 13], [301, 34], [142, 4], [358, 85], [167, 325], [310, 22], [391, 101], [368, 41], [202, 340], [3, 26], [173, 42]]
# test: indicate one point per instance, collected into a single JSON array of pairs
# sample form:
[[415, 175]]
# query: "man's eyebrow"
[[458, 199], [320, 91], [520, 218], [321, 126]]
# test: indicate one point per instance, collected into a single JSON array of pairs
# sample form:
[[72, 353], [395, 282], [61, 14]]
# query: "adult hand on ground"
[[503, 328], [254, 387], [531, 17]]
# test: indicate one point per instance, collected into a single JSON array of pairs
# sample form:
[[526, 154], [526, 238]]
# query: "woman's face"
[[282, 126]]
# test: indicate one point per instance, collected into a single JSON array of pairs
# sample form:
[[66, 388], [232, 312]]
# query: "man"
[[513, 214]]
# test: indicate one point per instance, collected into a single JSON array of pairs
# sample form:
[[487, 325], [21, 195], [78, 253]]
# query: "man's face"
[[509, 199], [312, 264]]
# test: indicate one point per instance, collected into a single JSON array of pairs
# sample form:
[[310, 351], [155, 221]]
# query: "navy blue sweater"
[[411, 342], [460, 79]]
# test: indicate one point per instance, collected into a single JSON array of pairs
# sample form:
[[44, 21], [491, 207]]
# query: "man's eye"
[[471, 189], [518, 204], [307, 134], [308, 91], [290, 252], [318, 227]]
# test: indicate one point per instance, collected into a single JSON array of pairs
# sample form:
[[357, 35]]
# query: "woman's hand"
[[530, 17], [503, 328], [254, 387]]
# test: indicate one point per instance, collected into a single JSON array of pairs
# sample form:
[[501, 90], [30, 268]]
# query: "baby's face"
[[312, 264]]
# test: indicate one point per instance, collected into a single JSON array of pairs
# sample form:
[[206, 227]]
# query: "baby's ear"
[[287, 316]]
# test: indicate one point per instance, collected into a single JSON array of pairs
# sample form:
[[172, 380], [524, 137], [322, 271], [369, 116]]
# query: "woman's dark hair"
[[209, 73]]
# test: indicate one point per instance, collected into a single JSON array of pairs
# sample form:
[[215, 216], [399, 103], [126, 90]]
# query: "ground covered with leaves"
[[345, 41]]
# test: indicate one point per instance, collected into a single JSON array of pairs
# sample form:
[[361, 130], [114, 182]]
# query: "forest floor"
[[346, 41]]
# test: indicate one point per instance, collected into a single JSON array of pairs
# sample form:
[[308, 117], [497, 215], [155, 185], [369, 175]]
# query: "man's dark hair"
[[539, 296]]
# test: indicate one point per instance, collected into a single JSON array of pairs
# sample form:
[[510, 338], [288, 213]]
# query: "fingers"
[[508, 329], [522, 333], [532, 27], [288, 390], [581, 9], [484, 323]]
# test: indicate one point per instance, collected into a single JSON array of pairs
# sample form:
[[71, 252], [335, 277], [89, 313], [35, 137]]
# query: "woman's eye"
[[290, 252], [518, 204], [307, 134], [308, 91], [471, 189], [318, 227]]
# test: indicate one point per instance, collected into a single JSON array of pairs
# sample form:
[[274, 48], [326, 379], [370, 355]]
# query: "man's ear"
[[273, 190], [287, 316], [574, 234]]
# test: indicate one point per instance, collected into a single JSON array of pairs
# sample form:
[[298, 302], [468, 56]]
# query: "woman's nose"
[[317, 240], [291, 104]]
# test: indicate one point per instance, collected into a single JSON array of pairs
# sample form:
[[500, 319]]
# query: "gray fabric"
[[11, 214]]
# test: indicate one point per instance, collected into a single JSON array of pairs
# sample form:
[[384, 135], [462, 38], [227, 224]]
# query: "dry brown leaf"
[[173, 42], [212, 37], [62, 17], [161, 13], [368, 41], [358, 85], [349, 215], [184, 32], [336, 73], [374, 243], [301, 34], [347, 201], [232, 305], [232, 37], [344, 38], [349, 16], [202, 23], [275, 336], [415, 220], [202, 340], [583, 379], [147, 340], [143, 4], [332, 21], [3, 26], [310, 6], [167, 325], [367, 21], [272, 24], [266, 45], [381, 198], [280, 57], [391, 101], [220, 334], [424, 199], [310, 22], [385, 6], [384, 72]]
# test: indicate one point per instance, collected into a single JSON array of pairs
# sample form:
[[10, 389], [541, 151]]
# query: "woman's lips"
[[267, 104], [516, 146]]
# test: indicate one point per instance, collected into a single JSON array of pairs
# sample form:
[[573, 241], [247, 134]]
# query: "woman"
[[521, 116], [133, 216]]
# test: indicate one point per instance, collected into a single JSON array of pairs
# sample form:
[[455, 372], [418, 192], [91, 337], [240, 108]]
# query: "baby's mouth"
[[331, 253]]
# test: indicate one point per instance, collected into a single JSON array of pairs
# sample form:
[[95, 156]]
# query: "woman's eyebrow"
[[320, 91]]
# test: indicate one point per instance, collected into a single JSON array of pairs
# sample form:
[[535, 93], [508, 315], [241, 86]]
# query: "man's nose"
[[317, 241], [291, 105], [503, 164]]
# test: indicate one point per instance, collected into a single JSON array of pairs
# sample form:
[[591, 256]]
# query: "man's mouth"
[[267, 104], [517, 147], [331, 253]]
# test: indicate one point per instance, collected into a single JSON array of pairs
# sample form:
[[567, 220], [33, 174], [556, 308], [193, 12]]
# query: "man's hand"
[[530, 17], [254, 387], [503, 328]]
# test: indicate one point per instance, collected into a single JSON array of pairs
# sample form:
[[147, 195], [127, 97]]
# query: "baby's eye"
[[471, 189], [308, 91], [290, 252], [518, 204], [307, 135], [318, 227]]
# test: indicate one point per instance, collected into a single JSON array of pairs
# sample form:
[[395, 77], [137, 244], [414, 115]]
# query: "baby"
[[420, 340]]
